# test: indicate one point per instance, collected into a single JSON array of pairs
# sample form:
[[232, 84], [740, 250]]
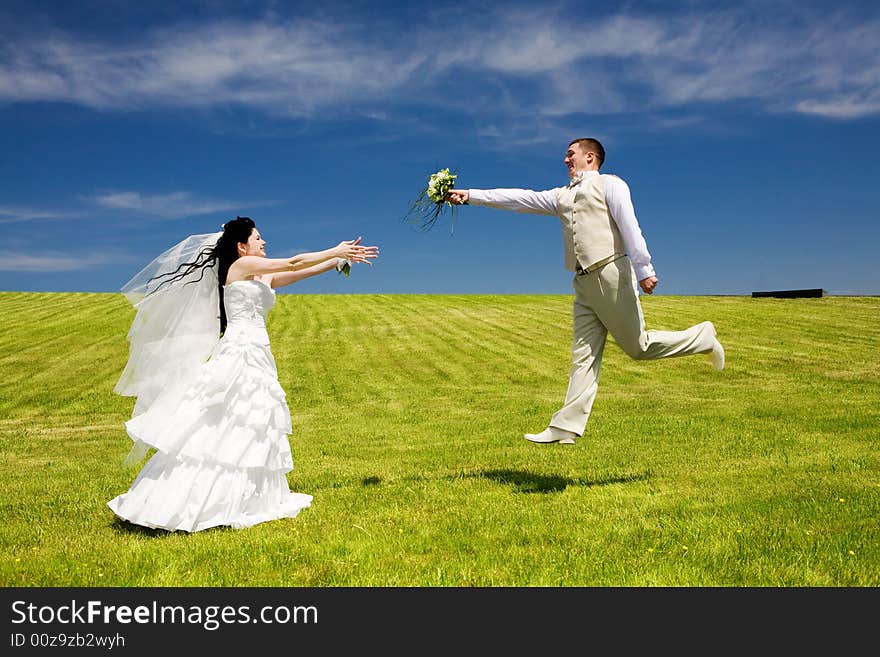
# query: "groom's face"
[[575, 159]]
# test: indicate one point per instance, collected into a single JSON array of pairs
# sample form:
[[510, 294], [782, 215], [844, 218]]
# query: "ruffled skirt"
[[222, 448]]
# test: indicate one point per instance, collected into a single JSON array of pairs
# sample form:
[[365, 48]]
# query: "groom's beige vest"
[[589, 232]]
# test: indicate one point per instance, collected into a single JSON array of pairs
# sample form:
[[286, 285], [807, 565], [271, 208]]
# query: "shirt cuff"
[[476, 196], [644, 271]]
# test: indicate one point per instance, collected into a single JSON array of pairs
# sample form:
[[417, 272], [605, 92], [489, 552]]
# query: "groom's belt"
[[580, 271]]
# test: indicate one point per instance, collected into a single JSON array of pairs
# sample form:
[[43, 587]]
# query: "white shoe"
[[552, 435], [717, 355]]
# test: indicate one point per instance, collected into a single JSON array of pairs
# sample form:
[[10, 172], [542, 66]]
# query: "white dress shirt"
[[617, 198]]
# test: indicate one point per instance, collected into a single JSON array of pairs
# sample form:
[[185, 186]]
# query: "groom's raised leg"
[[622, 314], [717, 355]]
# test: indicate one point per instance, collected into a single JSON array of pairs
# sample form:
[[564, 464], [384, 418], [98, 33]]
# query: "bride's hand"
[[352, 251]]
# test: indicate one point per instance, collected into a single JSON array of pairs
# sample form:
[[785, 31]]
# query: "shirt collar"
[[580, 175]]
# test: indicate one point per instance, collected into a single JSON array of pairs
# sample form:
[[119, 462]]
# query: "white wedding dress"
[[222, 446]]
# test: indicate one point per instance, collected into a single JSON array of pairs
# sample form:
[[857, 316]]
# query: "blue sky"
[[747, 131]]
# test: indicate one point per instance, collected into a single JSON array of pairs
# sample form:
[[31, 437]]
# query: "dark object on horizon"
[[791, 294]]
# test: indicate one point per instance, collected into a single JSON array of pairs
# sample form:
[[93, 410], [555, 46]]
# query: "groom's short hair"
[[588, 144]]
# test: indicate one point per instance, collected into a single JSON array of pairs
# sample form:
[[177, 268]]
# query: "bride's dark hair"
[[224, 253]]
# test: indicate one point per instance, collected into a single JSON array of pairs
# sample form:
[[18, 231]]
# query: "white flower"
[[439, 185], [432, 200]]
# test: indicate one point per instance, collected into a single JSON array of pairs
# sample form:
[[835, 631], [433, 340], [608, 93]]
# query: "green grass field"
[[408, 416]]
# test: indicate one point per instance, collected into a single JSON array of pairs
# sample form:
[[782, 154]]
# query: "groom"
[[605, 249]]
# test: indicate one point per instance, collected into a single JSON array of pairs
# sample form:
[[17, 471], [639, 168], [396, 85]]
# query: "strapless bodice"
[[247, 303]]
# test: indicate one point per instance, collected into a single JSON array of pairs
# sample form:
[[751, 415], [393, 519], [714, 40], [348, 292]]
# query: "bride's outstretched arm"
[[288, 277], [350, 250]]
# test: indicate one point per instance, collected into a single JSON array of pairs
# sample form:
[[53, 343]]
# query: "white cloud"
[[290, 69], [16, 215], [172, 205], [630, 64], [843, 108], [534, 42], [504, 67], [55, 261], [168, 206]]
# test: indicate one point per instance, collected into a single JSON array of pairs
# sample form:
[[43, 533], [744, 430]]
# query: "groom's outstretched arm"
[[518, 200]]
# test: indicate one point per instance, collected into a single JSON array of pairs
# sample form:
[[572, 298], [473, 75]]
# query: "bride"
[[211, 406]]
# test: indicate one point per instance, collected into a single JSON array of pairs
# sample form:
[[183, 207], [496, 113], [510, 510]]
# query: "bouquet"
[[344, 267], [431, 203]]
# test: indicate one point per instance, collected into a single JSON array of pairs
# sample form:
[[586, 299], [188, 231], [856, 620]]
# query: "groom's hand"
[[457, 196], [648, 284]]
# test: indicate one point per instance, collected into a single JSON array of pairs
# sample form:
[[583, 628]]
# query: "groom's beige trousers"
[[606, 301]]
